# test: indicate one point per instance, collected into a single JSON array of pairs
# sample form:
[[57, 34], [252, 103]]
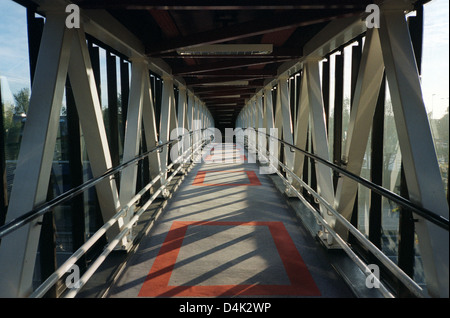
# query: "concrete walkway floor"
[[228, 232]]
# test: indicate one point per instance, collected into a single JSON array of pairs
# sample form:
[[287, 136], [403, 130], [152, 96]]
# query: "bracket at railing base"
[[327, 240], [165, 194], [125, 246], [182, 170], [289, 192]]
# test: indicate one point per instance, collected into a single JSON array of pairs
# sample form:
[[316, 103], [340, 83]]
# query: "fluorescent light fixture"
[[231, 83], [227, 96], [228, 49], [227, 104]]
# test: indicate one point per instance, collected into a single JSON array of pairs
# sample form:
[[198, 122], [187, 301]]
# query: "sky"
[[13, 48], [435, 60], [14, 69]]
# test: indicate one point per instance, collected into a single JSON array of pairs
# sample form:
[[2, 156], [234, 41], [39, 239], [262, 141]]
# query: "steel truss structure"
[[64, 52], [387, 49], [176, 132]]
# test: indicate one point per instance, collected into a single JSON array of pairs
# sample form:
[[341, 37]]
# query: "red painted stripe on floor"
[[252, 177], [199, 178], [156, 283]]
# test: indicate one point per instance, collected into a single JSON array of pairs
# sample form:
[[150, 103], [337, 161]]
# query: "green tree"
[[22, 101]]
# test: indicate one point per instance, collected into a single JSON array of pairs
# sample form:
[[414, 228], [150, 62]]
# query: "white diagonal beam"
[[168, 120], [150, 130], [416, 143], [132, 140], [283, 91], [32, 175], [91, 120], [319, 135], [364, 103]]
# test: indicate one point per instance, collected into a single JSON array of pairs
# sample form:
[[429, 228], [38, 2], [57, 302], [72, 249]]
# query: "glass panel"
[[435, 77], [347, 93], [364, 193], [15, 81], [391, 181]]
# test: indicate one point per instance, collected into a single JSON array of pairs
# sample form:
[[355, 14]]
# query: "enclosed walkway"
[[226, 148], [227, 231]]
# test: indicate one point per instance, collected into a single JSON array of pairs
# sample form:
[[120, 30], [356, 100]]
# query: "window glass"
[[435, 77], [15, 84], [392, 160]]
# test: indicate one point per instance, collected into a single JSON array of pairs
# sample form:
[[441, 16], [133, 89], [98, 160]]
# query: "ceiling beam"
[[277, 22], [223, 65], [232, 72], [214, 90], [277, 53], [220, 4], [211, 97], [226, 97], [219, 81]]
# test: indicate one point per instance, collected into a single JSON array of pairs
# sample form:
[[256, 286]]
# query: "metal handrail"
[[394, 268], [65, 267], [423, 212], [47, 206]]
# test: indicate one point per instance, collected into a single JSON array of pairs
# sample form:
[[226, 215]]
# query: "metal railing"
[[28, 217], [442, 222]]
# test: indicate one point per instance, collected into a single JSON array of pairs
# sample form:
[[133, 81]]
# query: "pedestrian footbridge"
[[226, 150]]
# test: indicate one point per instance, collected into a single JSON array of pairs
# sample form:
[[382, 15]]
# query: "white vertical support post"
[[268, 109], [200, 115], [283, 91], [301, 128], [253, 133], [133, 132], [168, 120], [196, 125], [32, 175], [248, 115], [180, 129], [245, 116], [181, 107], [278, 121], [273, 145], [416, 144], [364, 103], [254, 113], [260, 126], [190, 111], [320, 140], [150, 129], [203, 115], [190, 118], [252, 124]]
